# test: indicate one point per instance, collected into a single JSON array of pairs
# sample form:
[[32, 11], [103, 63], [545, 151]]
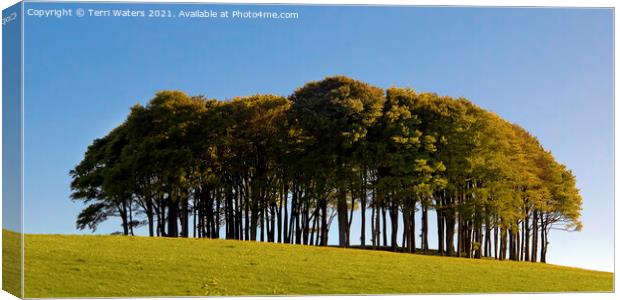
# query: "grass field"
[[81, 266]]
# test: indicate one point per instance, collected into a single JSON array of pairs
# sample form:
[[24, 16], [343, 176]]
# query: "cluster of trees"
[[282, 169]]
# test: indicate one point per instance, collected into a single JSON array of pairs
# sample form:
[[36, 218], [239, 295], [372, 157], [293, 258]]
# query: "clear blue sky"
[[549, 70]]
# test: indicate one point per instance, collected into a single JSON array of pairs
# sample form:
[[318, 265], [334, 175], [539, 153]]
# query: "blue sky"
[[549, 70]]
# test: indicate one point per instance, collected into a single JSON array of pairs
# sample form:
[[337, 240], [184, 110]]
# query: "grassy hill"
[[92, 266]]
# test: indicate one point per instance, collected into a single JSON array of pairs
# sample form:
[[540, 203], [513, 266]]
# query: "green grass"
[[93, 266]]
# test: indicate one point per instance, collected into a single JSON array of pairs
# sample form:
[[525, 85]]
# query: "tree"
[[335, 114], [281, 169]]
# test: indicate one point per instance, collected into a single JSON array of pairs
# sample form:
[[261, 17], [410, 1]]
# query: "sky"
[[548, 69]]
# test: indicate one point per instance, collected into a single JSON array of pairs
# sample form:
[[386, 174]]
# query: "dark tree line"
[[282, 169]]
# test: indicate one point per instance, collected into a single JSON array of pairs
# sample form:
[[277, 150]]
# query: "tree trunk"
[[495, 241], [363, 211], [162, 217], [173, 215], [424, 228], [407, 234], [459, 238], [394, 220], [286, 237], [253, 222], [262, 224], [314, 226], [440, 233], [450, 233], [349, 221], [543, 239], [149, 216], [238, 213], [306, 224], [216, 216], [342, 218], [534, 252], [385, 243], [158, 224], [502, 244], [185, 217], [123, 213], [487, 236], [526, 237], [324, 223], [412, 230]]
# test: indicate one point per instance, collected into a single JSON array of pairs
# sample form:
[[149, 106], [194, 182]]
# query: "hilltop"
[[121, 266]]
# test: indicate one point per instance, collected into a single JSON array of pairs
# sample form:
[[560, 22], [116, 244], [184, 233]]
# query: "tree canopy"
[[281, 169]]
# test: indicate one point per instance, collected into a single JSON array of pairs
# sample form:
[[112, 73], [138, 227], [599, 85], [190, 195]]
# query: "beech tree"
[[282, 169], [335, 115]]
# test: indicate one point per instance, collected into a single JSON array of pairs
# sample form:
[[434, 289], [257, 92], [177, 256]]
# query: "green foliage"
[[285, 167]]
